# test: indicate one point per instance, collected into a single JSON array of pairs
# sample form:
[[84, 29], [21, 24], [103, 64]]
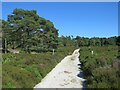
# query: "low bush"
[[26, 70], [98, 68]]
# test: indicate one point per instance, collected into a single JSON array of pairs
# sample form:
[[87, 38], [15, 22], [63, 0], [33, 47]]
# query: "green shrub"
[[34, 70], [19, 76], [25, 70], [97, 67], [105, 78]]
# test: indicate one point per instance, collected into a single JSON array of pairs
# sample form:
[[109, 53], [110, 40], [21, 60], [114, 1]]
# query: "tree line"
[[83, 41], [26, 30]]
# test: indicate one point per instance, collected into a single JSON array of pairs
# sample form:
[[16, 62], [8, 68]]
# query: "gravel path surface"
[[64, 75]]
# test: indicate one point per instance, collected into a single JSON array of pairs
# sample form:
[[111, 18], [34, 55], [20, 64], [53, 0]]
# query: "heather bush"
[[98, 69]]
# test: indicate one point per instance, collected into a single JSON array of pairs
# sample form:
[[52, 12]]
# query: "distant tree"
[[63, 39], [92, 41], [97, 42], [112, 40], [80, 41]]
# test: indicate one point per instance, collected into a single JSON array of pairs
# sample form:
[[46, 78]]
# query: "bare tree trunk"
[[5, 46]]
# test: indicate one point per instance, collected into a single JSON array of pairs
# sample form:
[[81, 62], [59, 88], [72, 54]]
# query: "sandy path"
[[64, 75]]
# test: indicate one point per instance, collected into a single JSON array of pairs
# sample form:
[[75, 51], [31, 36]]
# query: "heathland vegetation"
[[33, 39]]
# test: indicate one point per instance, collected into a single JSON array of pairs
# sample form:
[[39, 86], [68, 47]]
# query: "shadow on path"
[[81, 75]]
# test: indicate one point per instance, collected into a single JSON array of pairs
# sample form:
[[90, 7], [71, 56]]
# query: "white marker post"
[[92, 52]]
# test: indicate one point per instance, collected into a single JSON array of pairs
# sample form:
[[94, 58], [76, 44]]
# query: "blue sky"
[[85, 19]]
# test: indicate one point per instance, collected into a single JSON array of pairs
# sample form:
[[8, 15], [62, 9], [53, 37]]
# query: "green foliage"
[[34, 69], [22, 69], [67, 41], [18, 75], [96, 41], [26, 70], [98, 67], [25, 29], [105, 77]]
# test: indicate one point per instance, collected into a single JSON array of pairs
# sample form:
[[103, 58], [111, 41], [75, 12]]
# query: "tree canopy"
[[27, 30]]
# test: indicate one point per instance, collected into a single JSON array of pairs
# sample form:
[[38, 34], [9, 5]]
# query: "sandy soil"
[[64, 75]]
